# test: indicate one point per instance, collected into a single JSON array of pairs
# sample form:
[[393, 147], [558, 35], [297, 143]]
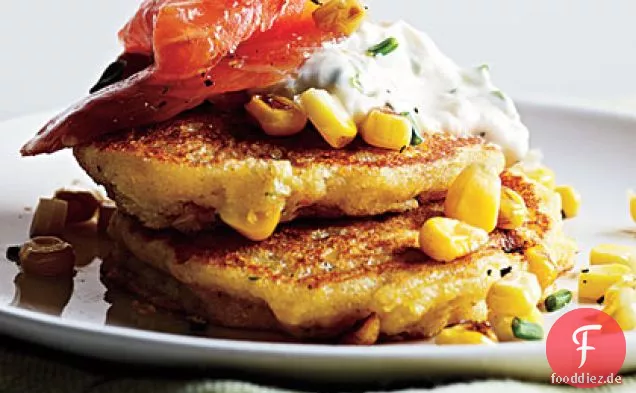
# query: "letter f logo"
[[583, 343]]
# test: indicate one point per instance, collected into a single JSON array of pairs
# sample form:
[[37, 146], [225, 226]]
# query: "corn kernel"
[[540, 264], [502, 323], [277, 116], [632, 204], [619, 304], [445, 239], [604, 254], [367, 334], [253, 225], [570, 201], [387, 130], [340, 16], [474, 197], [543, 175], [329, 117], [594, 281], [462, 334], [512, 210], [515, 294]]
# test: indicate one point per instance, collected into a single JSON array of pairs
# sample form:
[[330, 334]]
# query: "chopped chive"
[[355, 82], [13, 254], [452, 91], [525, 330], [383, 48], [484, 67], [416, 137], [558, 300], [499, 94]]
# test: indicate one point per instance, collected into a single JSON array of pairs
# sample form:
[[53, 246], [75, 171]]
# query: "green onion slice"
[[499, 94], [383, 48], [525, 330], [558, 300], [416, 137]]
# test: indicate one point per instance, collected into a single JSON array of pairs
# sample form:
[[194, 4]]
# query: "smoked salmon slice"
[[178, 53]]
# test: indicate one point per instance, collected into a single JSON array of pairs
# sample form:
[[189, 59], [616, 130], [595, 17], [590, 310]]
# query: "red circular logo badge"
[[585, 348]]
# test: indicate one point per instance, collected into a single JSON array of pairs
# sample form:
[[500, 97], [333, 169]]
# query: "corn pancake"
[[181, 173], [318, 278]]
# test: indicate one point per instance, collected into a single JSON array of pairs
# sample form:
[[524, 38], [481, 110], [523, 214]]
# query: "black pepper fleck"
[[585, 271], [208, 83], [600, 300], [505, 271], [489, 272]]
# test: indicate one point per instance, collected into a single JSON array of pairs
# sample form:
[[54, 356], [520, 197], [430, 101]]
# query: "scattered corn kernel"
[[604, 254], [474, 197], [340, 16], [49, 218], [632, 204], [445, 239], [570, 201], [463, 334], [47, 256], [367, 334], [542, 175], [277, 116], [515, 294], [594, 281], [82, 204], [385, 129], [619, 304], [254, 226], [512, 210], [329, 117], [503, 324], [540, 263]]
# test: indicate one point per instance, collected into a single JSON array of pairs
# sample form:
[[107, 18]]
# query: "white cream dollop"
[[417, 78]]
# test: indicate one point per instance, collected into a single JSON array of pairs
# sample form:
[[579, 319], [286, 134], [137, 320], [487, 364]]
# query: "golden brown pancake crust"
[[184, 172], [202, 139], [319, 277]]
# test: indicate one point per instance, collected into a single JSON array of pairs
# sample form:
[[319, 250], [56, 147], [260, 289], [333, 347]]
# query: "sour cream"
[[416, 78]]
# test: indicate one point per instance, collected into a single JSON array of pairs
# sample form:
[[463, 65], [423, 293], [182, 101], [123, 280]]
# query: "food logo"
[[586, 348]]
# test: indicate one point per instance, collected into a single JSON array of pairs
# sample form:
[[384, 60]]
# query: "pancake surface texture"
[[184, 172], [318, 278]]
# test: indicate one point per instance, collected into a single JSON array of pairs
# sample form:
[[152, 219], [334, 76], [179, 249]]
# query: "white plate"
[[594, 151]]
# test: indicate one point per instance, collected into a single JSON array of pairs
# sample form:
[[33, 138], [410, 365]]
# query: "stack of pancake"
[[346, 250]]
